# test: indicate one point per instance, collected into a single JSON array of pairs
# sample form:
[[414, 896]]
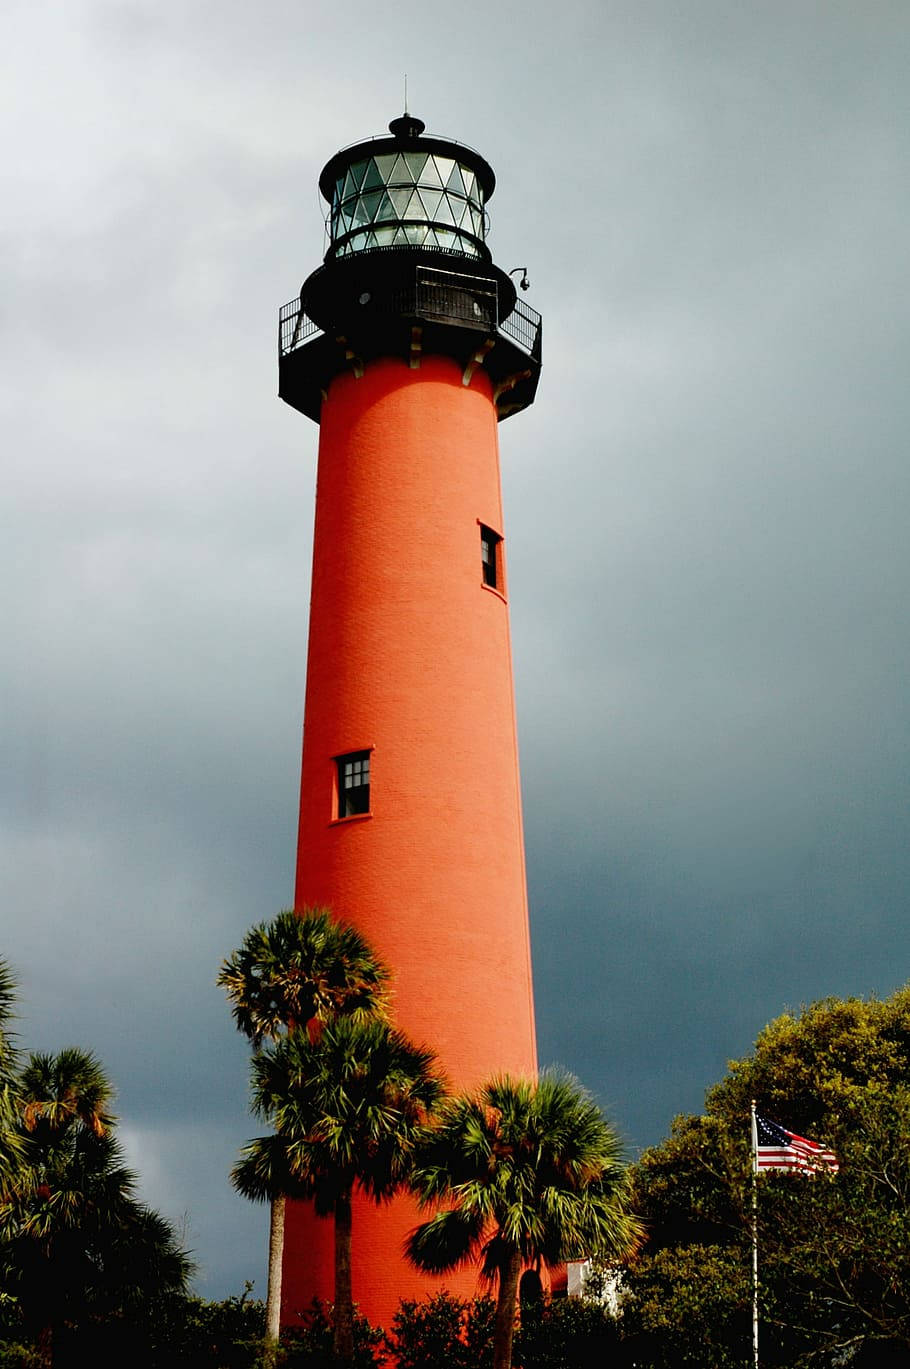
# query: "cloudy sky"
[[707, 515]]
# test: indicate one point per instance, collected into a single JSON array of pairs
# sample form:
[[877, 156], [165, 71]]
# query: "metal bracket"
[[355, 362], [477, 359], [508, 384]]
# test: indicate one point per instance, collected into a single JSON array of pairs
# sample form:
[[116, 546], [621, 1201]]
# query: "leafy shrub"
[[444, 1332], [566, 1333], [309, 1346], [16, 1356]]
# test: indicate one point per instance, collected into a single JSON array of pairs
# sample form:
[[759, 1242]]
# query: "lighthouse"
[[408, 347]]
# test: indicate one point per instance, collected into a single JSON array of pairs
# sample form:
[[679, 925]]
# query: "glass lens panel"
[[415, 209], [400, 200], [430, 175], [454, 181], [386, 209], [359, 212], [416, 233], [357, 172], [431, 200], [444, 212], [371, 203], [384, 236], [415, 161], [444, 166], [400, 173], [349, 188], [372, 180], [400, 237], [384, 165], [469, 183]]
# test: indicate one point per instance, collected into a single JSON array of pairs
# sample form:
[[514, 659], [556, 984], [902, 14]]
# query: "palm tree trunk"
[[344, 1293], [45, 1346], [507, 1297], [276, 1252]]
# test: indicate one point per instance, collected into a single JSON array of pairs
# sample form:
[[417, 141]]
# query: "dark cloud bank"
[[706, 515]]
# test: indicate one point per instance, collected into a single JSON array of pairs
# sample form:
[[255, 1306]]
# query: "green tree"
[[76, 1244], [11, 1143], [62, 1094], [347, 1105], [443, 1331], [298, 970], [834, 1250], [179, 1332], [310, 1345], [532, 1173], [568, 1333]]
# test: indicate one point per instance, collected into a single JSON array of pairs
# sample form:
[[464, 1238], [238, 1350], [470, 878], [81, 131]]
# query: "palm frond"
[[348, 1106], [447, 1241], [533, 1163], [266, 1171], [300, 967]]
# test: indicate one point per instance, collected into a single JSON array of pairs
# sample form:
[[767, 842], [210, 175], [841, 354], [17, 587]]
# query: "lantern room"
[[407, 191]]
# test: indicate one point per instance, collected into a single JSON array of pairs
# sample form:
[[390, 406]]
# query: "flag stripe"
[[778, 1148]]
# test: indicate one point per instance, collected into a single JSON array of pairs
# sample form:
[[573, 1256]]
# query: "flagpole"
[[754, 1238]]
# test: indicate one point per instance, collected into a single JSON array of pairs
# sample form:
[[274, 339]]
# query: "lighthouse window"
[[416, 198], [353, 784], [490, 557]]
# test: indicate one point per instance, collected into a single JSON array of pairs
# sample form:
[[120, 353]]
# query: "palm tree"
[[297, 968], [532, 1173], [300, 969], [264, 1176], [11, 1143], [348, 1107], [70, 1086], [76, 1242]]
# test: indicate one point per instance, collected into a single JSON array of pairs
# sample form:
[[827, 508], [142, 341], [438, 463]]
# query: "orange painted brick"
[[409, 660]]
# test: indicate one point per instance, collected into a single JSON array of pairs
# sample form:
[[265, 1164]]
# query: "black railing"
[[443, 295], [462, 299], [523, 327], [294, 327]]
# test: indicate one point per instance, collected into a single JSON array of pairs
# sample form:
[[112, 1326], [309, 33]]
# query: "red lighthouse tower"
[[407, 347]]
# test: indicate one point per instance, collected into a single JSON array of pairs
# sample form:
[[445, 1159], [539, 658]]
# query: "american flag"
[[778, 1148]]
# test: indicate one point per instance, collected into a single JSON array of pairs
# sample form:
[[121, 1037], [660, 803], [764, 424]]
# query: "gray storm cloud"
[[706, 522]]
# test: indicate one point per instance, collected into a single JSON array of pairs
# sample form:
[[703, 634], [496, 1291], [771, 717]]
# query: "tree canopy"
[[11, 1142], [77, 1247], [297, 967], [834, 1250]]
